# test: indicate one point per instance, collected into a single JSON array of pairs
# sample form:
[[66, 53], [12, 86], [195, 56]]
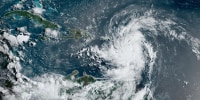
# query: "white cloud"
[[11, 39], [22, 38], [51, 33], [38, 10], [18, 6]]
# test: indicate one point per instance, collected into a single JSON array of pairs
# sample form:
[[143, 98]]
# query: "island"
[[37, 18], [76, 34], [72, 33], [83, 80]]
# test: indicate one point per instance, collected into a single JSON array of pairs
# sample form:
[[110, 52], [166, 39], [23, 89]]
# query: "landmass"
[[39, 19], [73, 33], [76, 34], [83, 80]]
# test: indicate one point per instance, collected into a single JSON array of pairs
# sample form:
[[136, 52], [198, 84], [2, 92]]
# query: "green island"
[[73, 33], [39, 19], [83, 80], [76, 34]]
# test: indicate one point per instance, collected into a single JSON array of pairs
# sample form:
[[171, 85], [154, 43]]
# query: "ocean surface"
[[133, 49]]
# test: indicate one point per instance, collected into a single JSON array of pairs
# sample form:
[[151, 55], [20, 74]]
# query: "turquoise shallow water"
[[36, 3]]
